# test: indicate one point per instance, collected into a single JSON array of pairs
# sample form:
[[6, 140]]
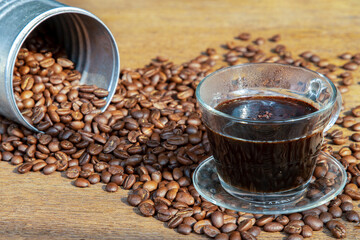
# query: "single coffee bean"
[[346, 206], [189, 221], [16, 160], [111, 187], [247, 236], [150, 186], [73, 172], [175, 221], [82, 183], [199, 226], [337, 229], [222, 236], [350, 66], [49, 169], [295, 216], [306, 231], [235, 235], [294, 237], [325, 217], [146, 209], [24, 168], [134, 199], [273, 227], [185, 197], [264, 220], [39, 166], [314, 222], [129, 181], [335, 211], [346, 56], [244, 36], [246, 224], [228, 227], [352, 216], [94, 178], [254, 230], [293, 228], [298, 222], [211, 231], [184, 229], [356, 137], [217, 219]]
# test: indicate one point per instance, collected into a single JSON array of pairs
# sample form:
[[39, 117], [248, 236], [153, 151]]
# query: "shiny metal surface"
[[88, 43]]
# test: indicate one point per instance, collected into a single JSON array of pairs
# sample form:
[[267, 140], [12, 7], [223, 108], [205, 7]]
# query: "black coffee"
[[265, 166]]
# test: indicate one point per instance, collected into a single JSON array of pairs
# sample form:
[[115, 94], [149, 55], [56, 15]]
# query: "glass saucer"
[[208, 185]]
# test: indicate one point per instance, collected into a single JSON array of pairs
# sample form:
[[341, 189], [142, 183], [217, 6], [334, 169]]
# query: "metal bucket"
[[87, 41]]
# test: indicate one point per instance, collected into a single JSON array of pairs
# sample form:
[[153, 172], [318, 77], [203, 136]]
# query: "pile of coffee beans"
[[47, 90], [151, 137]]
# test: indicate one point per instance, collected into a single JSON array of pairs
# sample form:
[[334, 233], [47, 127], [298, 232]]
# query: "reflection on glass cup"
[[265, 123]]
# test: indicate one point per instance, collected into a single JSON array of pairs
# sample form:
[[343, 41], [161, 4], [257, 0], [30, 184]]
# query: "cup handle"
[[335, 111]]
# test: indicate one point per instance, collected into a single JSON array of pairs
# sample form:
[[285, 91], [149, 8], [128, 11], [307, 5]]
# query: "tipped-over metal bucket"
[[87, 41]]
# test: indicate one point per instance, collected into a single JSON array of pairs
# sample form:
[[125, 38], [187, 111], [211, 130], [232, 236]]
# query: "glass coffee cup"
[[266, 124]]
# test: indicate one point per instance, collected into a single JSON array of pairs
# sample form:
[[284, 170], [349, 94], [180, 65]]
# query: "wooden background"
[[34, 206]]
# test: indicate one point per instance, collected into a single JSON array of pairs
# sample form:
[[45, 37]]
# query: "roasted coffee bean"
[[150, 186], [73, 172], [184, 229], [352, 216], [335, 211], [189, 221], [211, 231], [16, 160], [199, 226], [185, 197], [273, 227], [24, 168], [293, 228], [247, 236], [94, 178], [325, 217], [217, 219], [295, 216], [39, 166], [49, 169], [298, 222], [244, 36], [306, 231], [235, 235], [254, 230], [134, 199], [82, 183], [246, 224], [294, 237], [164, 215], [346, 206], [146, 209], [337, 229], [314, 222], [228, 227], [264, 220], [222, 236], [350, 66], [129, 181], [105, 176], [282, 219], [111, 187]]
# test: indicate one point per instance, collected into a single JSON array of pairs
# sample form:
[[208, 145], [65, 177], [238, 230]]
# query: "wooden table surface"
[[35, 206]]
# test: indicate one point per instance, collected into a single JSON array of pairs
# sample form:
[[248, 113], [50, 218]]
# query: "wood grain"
[[34, 206]]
